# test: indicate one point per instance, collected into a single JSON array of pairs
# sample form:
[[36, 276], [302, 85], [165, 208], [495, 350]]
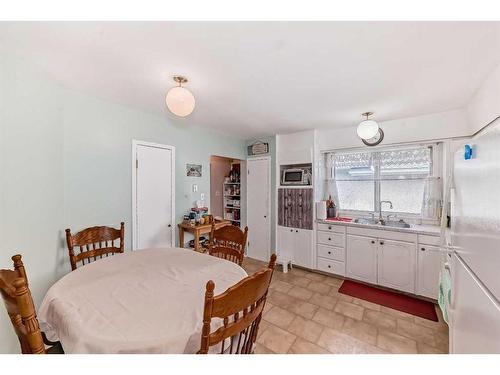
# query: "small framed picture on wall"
[[193, 170]]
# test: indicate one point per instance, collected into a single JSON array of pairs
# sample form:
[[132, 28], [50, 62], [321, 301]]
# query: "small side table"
[[198, 231]]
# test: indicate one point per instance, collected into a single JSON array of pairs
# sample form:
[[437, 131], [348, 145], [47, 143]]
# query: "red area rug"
[[396, 301]]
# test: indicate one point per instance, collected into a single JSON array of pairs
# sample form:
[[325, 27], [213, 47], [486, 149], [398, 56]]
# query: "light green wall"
[[272, 153], [65, 161]]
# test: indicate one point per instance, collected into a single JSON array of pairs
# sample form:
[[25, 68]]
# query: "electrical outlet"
[[195, 188], [202, 196]]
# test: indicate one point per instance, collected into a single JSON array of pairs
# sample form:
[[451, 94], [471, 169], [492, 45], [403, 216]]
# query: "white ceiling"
[[253, 79]]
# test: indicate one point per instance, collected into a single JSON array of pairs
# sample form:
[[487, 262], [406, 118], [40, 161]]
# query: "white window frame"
[[436, 172]]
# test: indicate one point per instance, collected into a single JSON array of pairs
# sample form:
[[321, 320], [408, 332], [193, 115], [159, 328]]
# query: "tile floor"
[[305, 313]]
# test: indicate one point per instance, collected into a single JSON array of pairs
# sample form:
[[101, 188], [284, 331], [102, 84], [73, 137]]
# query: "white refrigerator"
[[475, 247]]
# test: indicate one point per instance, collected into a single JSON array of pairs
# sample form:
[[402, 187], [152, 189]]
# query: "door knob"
[[329, 239], [373, 241], [330, 252], [329, 266], [169, 225], [296, 231], [381, 242], [423, 248], [265, 216]]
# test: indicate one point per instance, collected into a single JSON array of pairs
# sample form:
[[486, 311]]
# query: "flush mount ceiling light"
[[367, 129], [180, 101]]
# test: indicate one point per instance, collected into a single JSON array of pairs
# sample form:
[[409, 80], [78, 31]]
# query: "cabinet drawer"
[[331, 227], [332, 239], [331, 266], [428, 240], [330, 252]]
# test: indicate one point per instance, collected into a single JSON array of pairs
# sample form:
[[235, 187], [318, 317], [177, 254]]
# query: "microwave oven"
[[295, 176]]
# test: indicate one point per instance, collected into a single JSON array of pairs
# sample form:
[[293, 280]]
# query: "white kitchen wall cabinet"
[[295, 148], [296, 244], [396, 264], [361, 258], [428, 267]]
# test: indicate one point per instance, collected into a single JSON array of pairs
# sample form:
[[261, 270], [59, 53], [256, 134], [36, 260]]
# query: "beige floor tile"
[[279, 317], [306, 329], [380, 319], [396, 313], [324, 301], [366, 304], [442, 341], [349, 309], [261, 349], [299, 281], [438, 326], [426, 349], [301, 346], [360, 330], [319, 287], [329, 318], [276, 339], [303, 309], [267, 307], [280, 299], [280, 286], [315, 276], [333, 281], [299, 272], [394, 343], [334, 292], [300, 293], [340, 343], [417, 332]]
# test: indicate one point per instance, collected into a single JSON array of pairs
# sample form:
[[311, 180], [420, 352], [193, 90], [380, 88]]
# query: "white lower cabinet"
[[296, 244], [396, 264], [361, 259], [429, 264]]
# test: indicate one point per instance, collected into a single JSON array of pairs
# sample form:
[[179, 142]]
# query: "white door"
[[303, 247], [153, 195], [362, 258], [396, 265], [428, 267], [259, 208]]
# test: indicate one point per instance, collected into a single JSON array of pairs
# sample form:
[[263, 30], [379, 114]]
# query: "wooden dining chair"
[[94, 243], [228, 243], [19, 304], [240, 309]]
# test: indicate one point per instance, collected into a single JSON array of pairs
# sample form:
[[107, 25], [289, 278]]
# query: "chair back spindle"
[[94, 243], [239, 310], [229, 243]]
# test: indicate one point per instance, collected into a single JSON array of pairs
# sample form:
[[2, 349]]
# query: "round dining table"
[[142, 301]]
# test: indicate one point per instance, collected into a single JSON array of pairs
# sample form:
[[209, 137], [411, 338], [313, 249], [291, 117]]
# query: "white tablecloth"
[[145, 301]]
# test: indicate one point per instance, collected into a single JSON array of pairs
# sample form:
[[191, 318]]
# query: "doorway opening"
[[227, 187]]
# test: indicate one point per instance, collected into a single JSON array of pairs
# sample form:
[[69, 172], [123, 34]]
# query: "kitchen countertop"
[[431, 230]]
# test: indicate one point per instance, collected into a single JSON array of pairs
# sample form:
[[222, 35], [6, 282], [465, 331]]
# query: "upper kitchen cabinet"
[[296, 148]]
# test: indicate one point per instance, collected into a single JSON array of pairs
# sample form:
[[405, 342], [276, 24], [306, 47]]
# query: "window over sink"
[[405, 176]]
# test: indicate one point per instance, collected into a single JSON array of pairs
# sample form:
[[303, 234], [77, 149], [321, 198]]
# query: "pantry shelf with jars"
[[232, 197]]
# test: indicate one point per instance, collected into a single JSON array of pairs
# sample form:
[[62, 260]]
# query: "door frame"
[[268, 159], [135, 144]]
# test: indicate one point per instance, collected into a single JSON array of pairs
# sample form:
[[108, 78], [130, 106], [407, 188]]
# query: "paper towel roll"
[[321, 210]]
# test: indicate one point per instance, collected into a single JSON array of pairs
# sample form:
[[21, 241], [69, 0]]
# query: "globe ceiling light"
[[367, 129], [180, 101]]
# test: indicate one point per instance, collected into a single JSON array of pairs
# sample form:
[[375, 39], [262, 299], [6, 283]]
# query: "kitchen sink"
[[384, 223]]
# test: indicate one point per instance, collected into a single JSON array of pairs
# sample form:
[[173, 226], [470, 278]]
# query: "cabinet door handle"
[[329, 227], [329, 239], [381, 242], [422, 248], [291, 230], [330, 252], [296, 231], [373, 241], [329, 266]]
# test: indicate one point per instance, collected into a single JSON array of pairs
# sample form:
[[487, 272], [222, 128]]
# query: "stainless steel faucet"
[[380, 218]]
